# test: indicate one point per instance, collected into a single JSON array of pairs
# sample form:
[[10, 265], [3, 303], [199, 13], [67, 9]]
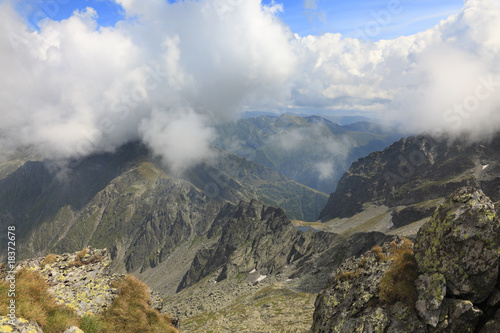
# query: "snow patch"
[[260, 278]]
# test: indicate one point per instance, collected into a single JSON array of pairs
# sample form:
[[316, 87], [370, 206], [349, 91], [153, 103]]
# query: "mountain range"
[[227, 243]]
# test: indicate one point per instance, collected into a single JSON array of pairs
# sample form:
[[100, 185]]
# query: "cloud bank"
[[168, 71]]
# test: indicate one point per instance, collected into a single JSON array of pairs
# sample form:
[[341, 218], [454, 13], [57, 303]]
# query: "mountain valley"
[[228, 244]]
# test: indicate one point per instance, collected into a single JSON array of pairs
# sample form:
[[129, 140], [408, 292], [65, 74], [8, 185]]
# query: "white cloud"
[[74, 88]]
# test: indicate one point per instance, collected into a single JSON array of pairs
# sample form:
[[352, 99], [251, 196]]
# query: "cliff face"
[[414, 170], [258, 255], [446, 282]]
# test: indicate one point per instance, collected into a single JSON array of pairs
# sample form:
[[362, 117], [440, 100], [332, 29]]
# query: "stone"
[[344, 304], [431, 290], [73, 329], [494, 298], [462, 315], [493, 325], [462, 242], [19, 325], [86, 293]]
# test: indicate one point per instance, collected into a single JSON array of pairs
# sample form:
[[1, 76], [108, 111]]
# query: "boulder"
[[431, 290], [462, 242]]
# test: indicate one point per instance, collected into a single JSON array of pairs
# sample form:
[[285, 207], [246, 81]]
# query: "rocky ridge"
[[449, 284], [81, 281], [258, 255], [413, 175]]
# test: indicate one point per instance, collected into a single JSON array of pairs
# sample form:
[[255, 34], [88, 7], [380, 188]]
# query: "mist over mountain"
[[93, 88], [310, 150], [198, 140]]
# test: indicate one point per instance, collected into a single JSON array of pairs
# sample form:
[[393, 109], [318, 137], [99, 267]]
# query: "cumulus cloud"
[[73, 88], [164, 74]]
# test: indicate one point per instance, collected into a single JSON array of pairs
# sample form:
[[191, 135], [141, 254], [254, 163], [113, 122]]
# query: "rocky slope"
[[257, 255], [448, 281], [126, 201], [80, 281], [412, 176]]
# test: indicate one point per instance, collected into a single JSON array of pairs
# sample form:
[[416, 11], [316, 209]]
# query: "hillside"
[[310, 150], [180, 236]]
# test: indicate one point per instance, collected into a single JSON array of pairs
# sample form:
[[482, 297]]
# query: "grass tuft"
[[131, 311], [35, 303], [379, 253], [49, 259], [397, 285]]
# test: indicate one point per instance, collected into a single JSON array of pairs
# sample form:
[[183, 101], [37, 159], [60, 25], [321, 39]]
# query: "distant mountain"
[[413, 175], [310, 150], [127, 200]]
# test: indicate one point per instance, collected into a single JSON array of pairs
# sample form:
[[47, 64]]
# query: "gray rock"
[[493, 325], [462, 241], [458, 316], [18, 325], [344, 304], [431, 290]]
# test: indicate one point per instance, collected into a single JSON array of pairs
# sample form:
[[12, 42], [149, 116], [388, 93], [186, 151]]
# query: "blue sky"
[[304, 17]]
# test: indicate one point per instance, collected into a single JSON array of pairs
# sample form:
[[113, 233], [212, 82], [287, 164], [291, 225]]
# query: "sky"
[[304, 17], [80, 77]]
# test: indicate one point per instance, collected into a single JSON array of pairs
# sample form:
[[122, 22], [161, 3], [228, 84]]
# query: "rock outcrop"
[[455, 287], [254, 236], [462, 243], [81, 281]]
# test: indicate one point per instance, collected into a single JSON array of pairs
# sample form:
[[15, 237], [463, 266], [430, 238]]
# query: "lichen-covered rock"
[[458, 315], [349, 302], [462, 242], [492, 325], [81, 281], [156, 300], [431, 290], [73, 329], [457, 289], [18, 325]]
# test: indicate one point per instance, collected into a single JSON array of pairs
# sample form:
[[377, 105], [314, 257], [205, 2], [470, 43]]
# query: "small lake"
[[304, 229]]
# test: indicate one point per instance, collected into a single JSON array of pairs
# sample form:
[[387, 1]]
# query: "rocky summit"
[[81, 280], [80, 284], [447, 281]]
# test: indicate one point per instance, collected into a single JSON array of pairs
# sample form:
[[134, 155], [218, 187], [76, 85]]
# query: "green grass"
[[368, 225]]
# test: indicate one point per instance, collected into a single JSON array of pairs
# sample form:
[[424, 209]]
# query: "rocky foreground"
[[79, 281], [447, 281]]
